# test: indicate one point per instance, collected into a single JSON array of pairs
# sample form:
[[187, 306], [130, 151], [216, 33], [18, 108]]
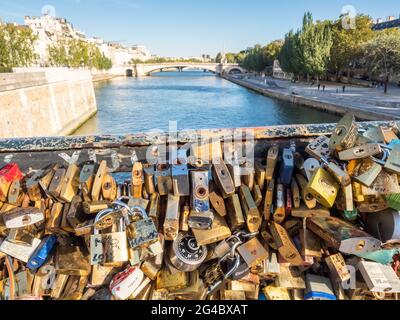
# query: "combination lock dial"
[[185, 254]]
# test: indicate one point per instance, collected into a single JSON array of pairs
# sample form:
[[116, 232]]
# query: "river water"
[[196, 100]]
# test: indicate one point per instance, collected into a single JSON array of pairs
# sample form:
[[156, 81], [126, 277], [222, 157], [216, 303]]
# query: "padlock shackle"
[[102, 214], [137, 210]]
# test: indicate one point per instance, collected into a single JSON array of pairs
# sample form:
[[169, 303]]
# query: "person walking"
[[319, 86], [344, 89], [323, 88]]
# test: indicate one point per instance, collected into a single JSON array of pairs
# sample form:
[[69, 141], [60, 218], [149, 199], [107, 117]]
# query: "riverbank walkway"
[[363, 100]]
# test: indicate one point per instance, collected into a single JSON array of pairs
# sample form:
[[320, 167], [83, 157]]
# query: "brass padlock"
[[98, 180], [307, 197], [272, 160], [86, 180], [137, 180], [218, 232], [319, 148], [108, 248], [223, 179], [171, 223], [216, 200], [324, 188], [109, 188], [269, 199], [72, 258], [70, 184], [345, 134], [142, 232], [235, 214], [251, 213]]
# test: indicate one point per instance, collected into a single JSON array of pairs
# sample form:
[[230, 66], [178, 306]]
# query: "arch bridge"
[[144, 69]]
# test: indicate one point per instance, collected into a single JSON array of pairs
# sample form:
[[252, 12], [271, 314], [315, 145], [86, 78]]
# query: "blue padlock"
[[287, 167], [42, 252]]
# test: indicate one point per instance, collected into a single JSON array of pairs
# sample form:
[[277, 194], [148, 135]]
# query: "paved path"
[[356, 98]]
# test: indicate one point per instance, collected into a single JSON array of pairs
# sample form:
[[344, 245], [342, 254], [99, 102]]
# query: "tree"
[[315, 43], [218, 58], [77, 53], [347, 47], [382, 55], [16, 47], [290, 58], [271, 52]]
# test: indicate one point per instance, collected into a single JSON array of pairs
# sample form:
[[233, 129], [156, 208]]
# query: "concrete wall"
[[45, 102]]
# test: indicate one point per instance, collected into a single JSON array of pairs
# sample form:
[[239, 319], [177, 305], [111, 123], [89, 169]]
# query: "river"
[[196, 100]]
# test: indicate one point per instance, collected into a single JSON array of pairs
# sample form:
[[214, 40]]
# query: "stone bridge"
[[140, 70]]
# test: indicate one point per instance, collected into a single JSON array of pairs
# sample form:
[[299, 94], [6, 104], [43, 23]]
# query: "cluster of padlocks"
[[320, 223]]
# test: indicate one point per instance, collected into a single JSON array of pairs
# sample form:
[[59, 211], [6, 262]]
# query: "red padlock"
[[126, 282], [8, 175]]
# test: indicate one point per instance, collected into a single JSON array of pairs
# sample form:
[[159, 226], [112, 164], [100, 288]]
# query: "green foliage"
[[382, 54], [258, 58], [348, 44], [16, 47], [77, 53], [218, 58], [290, 56]]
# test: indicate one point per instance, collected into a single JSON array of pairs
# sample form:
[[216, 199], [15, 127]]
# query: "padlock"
[[345, 134], [109, 188], [149, 184], [323, 187], [154, 208], [287, 167], [252, 252], [47, 178], [280, 212], [98, 180], [217, 274], [393, 162], [384, 184], [21, 252], [272, 160], [257, 195], [163, 179], [86, 180], [22, 217], [172, 281], [94, 207], [298, 161], [72, 257], [260, 175], [384, 226], [142, 232], [126, 282], [183, 223], [70, 183], [310, 166], [307, 197], [290, 278], [8, 174], [295, 194], [248, 174], [360, 152], [379, 277], [201, 220], [276, 294], [42, 253], [200, 191], [338, 268], [269, 199], [251, 213], [75, 215], [218, 232], [304, 212], [14, 192], [180, 180], [108, 248], [318, 288], [285, 245], [235, 214], [57, 182], [373, 205], [185, 254], [216, 200], [341, 176], [53, 224], [223, 179], [236, 172], [171, 223], [137, 180], [342, 235], [319, 148], [60, 282], [367, 172]]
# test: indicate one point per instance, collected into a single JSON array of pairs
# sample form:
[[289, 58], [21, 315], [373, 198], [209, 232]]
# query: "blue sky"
[[187, 27]]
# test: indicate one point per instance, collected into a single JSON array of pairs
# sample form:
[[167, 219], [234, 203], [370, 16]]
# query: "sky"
[[188, 27]]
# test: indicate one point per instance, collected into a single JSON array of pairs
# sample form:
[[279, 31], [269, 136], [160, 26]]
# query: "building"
[[278, 73], [140, 52], [50, 30], [390, 23]]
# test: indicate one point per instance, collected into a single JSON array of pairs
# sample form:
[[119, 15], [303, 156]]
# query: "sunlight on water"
[[196, 100]]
